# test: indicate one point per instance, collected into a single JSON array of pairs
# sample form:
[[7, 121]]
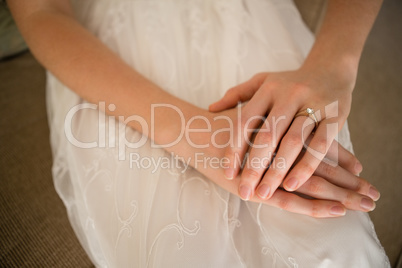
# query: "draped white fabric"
[[127, 215]]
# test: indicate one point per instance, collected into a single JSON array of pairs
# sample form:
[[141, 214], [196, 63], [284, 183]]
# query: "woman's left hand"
[[279, 97]]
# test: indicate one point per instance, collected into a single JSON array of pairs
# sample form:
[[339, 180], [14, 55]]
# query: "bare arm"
[[89, 68], [327, 77], [340, 41]]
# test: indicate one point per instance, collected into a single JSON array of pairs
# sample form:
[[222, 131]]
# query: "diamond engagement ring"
[[309, 112]]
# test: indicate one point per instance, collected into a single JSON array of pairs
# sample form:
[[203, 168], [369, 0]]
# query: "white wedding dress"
[[169, 216]]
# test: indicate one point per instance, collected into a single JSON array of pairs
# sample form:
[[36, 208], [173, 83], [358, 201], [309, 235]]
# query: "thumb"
[[240, 93]]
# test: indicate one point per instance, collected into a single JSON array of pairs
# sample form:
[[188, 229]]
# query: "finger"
[[235, 154], [320, 188], [288, 152], [240, 93], [339, 155], [265, 144], [315, 153], [250, 118], [343, 178], [310, 207], [234, 157]]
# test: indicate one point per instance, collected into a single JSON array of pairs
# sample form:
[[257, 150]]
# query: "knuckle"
[[348, 157], [273, 84], [283, 203], [348, 199], [293, 139], [315, 185], [357, 185], [252, 174], [315, 210], [307, 168], [258, 79], [350, 162], [328, 170], [275, 174], [299, 89], [231, 91], [264, 137], [294, 95], [360, 185], [258, 76], [320, 145]]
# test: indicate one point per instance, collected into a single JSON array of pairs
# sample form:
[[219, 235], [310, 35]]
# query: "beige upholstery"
[[34, 229], [313, 12]]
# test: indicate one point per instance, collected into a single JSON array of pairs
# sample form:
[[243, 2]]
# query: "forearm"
[[341, 39], [89, 68]]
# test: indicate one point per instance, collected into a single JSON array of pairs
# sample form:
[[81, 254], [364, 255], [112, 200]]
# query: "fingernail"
[[374, 193], [367, 204], [358, 167], [291, 184], [263, 191], [245, 192], [337, 211], [229, 173]]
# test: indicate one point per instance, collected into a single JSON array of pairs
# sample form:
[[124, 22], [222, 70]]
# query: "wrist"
[[206, 137], [342, 68], [208, 133]]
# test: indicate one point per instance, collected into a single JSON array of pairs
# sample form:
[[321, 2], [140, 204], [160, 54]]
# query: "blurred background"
[[376, 124]]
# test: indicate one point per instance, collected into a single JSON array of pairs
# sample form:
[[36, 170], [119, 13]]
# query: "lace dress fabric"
[[164, 214]]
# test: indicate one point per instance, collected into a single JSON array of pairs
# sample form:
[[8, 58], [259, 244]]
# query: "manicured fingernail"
[[229, 173], [263, 191], [367, 204], [291, 184], [358, 167], [337, 211], [245, 192], [374, 193]]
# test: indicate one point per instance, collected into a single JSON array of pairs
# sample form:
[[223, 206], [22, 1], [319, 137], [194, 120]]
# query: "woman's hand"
[[324, 83], [281, 96], [329, 184], [333, 188], [338, 180]]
